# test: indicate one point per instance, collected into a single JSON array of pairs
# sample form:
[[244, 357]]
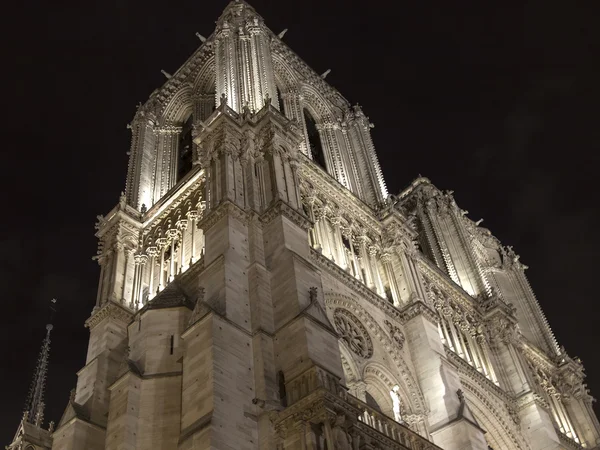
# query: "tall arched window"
[[280, 101], [185, 149], [314, 140]]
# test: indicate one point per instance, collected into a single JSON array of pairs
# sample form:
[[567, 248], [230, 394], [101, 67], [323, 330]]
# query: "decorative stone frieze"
[[110, 310], [396, 334], [416, 291]]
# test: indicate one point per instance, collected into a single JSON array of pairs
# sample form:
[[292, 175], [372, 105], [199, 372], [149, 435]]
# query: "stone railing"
[[568, 442], [369, 417]]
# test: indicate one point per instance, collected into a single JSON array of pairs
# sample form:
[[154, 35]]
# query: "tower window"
[[185, 149], [280, 102], [314, 141], [281, 385]]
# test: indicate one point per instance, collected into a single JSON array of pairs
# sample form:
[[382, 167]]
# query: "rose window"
[[353, 333]]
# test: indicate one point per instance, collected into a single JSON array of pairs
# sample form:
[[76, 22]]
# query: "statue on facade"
[[396, 403], [341, 440]]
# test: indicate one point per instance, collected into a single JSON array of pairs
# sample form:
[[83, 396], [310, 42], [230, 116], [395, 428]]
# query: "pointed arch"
[[285, 77], [204, 81], [351, 370], [380, 382], [317, 105], [406, 380], [380, 379], [179, 107], [315, 144], [493, 417]]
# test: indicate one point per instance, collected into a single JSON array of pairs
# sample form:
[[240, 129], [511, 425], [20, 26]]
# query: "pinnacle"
[[237, 9]]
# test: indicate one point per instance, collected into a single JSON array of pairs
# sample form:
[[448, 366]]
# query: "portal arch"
[[405, 378], [493, 417]]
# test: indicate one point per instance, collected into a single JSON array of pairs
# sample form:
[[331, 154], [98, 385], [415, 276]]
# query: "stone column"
[[364, 256], [374, 264], [172, 234], [152, 254], [129, 258], [439, 382], [182, 227], [162, 245], [386, 260], [193, 217]]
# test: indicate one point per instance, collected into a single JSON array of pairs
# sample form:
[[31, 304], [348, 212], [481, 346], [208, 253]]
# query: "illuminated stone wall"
[[263, 301]]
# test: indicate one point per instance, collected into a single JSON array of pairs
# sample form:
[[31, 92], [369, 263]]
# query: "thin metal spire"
[[34, 408]]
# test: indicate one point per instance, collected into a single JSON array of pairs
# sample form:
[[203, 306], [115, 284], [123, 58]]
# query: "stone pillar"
[[152, 254], [386, 260], [172, 234], [439, 382], [193, 218], [162, 246], [106, 351], [182, 227], [374, 264]]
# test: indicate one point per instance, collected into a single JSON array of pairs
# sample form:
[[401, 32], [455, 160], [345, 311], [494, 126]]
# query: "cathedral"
[[260, 289]]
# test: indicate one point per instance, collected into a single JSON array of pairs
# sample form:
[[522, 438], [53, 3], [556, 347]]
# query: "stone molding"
[[225, 208], [416, 309], [359, 287], [110, 310], [350, 330], [333, 300], [281, 208]]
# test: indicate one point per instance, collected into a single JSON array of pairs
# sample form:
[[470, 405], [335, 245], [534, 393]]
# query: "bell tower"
[[259, 289], [243, 60]]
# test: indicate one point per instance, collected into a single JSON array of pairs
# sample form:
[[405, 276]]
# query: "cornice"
[[173, 199], [469, 372], [359, 287], [329, 188], [225, 208], [418, 308], [185, 72], [110, 310], [443, 282], [308, 74], [285, 210]]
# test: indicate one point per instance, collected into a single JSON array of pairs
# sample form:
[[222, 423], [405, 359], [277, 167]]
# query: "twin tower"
[[259, 288]]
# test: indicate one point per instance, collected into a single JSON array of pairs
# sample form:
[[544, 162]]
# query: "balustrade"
[[387, 426]]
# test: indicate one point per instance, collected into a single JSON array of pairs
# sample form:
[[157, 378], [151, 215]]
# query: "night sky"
[[498, 102]]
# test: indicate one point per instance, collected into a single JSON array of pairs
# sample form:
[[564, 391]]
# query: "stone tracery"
[[353, 333], [415, 258]]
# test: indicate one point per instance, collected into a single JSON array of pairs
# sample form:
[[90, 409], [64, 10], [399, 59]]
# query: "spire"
[[34, 408]]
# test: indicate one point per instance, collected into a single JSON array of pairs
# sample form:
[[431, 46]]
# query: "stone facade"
[[259, 288]]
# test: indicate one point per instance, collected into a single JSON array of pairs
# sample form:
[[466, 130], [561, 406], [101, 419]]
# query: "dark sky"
[[495, 101]]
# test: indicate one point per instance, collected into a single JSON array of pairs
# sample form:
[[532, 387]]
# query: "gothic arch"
[[493, 418], [407, 382], [379, 375], [284, 75], [317, 105], [351, 370], [179, 107], [204, 81], [380, 382]]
